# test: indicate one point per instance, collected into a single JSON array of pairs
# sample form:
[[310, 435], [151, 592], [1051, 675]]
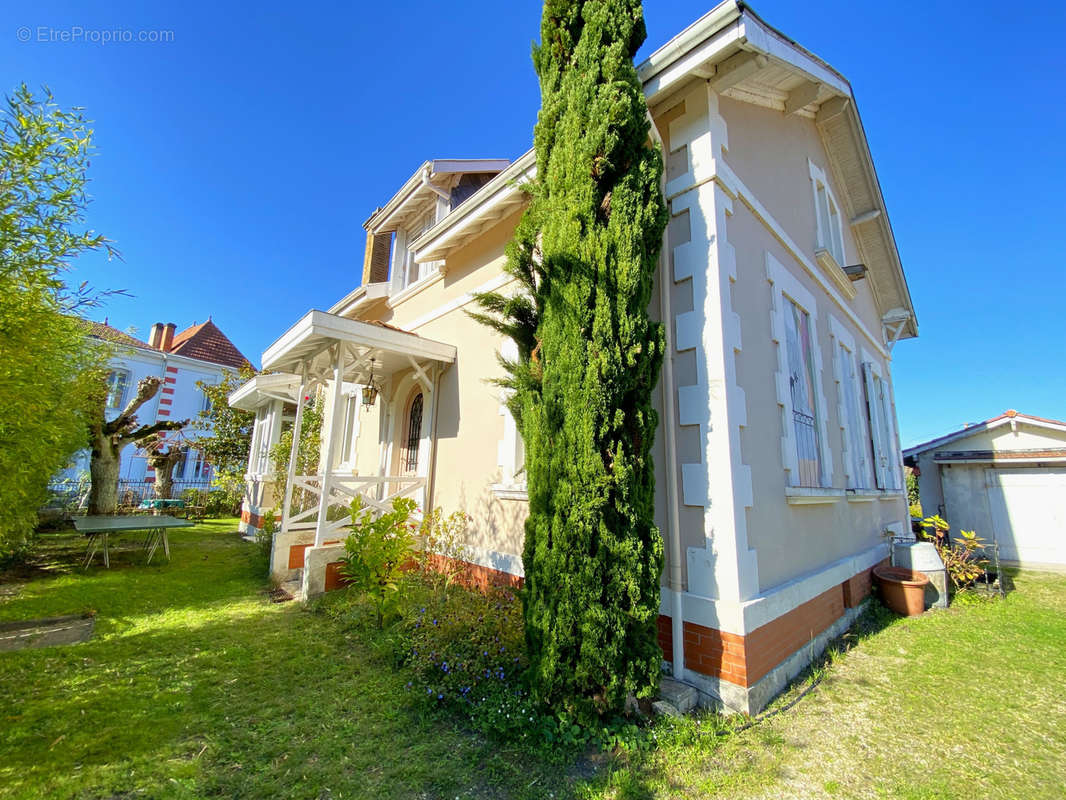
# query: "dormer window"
[[830, 232]]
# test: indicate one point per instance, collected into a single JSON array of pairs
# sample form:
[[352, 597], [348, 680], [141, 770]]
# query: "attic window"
[[830, 232]]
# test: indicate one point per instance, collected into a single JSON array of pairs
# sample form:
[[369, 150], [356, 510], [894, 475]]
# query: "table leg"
[[107, 558], [90, 550], [166, 544], [153, 537]]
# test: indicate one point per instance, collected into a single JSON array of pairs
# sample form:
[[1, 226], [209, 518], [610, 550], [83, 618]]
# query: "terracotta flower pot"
[[903, 590]]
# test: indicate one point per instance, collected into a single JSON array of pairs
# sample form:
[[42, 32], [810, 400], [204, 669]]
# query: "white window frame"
[[510, 450], [121, 398], [785, 288], [828, 214], [349, 432], [854, 426], [888, 464], [403, 256]]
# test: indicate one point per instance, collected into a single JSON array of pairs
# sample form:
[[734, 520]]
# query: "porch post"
[[431, 456], [297, 425], [335, 421], [385, 438]]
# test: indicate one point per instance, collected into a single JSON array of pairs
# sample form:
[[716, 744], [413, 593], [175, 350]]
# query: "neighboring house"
[[778, 469], [200, 353], [1004, 478]]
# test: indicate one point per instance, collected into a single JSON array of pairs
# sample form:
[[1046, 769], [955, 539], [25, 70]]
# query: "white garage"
[[1004, 478]]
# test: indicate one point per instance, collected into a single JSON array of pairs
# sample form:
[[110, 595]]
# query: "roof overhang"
[[424, 184], [1055, 455], [312, 343], [262, 389], [740, 56], [360, 298], [498, 198], [1009, 418]]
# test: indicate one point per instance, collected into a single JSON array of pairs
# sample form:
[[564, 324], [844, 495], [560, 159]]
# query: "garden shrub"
[[377, 550], [964, 559]]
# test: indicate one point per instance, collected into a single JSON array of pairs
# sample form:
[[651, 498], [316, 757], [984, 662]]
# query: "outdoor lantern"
[[370, 391]]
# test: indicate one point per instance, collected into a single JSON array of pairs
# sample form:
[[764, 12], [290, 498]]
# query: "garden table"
[[98, 528]]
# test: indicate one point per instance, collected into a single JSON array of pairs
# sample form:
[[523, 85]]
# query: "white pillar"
[[336, 419], [431, 455], [297, 424]]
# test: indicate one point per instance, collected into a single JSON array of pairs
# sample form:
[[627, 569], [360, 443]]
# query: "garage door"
[[1028, 509]]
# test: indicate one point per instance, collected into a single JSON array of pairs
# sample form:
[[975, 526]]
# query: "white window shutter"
[[873, 407], [893, 466]]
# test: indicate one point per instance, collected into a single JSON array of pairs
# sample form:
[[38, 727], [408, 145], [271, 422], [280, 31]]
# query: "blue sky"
[[237, 162]]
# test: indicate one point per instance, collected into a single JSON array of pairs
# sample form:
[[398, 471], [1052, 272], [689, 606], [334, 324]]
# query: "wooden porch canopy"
[[323, 348], [313, 342]]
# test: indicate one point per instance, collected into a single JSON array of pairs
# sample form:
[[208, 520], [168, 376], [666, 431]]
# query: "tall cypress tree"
[[585, 253]]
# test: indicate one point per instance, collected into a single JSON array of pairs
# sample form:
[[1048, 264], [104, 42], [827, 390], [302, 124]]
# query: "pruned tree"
[[584, 256], [106, 440], [162, 456]]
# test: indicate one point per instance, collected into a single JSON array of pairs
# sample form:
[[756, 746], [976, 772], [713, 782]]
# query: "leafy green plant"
[[964, 559], [307, 454], [51, 372], [442, 543], [377, 550], [227, 492], [913, 496], [264, 537]]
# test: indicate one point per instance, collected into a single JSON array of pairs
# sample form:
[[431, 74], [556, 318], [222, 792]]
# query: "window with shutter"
[[882, 430], [856, 438], [804, 403]]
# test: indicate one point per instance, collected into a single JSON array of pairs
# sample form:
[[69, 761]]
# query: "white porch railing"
[[377, 493]]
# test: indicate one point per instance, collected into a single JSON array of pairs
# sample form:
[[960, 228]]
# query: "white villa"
[[200, 353], [777, 459]]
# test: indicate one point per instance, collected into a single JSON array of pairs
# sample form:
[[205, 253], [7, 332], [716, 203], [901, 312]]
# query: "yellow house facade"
[[778, 468]]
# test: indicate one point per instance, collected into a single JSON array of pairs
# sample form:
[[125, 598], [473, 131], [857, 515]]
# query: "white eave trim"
[[440, 166], [260, 388], [981, 427], [319, 324], [458, 226], [359, 297]]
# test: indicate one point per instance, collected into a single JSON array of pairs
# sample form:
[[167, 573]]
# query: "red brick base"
[[744, 660], [475, 576], [249, 518]]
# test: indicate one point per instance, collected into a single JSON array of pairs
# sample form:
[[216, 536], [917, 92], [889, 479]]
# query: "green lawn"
[[196, 685]]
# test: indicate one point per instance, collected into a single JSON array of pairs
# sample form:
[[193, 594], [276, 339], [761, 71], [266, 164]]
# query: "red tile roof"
[[101, 330], [206, 342]]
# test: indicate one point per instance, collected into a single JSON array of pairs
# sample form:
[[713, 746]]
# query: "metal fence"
[[73, 494]]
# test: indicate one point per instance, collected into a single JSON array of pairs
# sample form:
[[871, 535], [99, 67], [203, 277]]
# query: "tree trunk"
[[103, 470], [164, 472]]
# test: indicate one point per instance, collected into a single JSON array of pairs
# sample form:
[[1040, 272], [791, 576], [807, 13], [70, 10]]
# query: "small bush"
[[963, 559], [377, 550]]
